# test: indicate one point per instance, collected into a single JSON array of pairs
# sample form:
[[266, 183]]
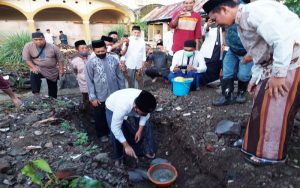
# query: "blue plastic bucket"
[[181, 88]]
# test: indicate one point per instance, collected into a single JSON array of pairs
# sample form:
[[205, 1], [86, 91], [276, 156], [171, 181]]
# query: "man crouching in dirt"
[[270, 33], [134, 135]]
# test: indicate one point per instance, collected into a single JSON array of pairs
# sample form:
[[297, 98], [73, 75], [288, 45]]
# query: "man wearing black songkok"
[[43, 59], [103, 77]]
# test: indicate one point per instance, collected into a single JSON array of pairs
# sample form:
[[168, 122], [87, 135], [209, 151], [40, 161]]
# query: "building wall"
[[73, 18]]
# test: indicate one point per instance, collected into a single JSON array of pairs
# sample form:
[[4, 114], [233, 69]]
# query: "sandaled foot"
[[261, 162]]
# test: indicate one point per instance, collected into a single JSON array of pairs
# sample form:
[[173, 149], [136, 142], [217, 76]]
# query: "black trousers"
[[100, 120], [36, 82]]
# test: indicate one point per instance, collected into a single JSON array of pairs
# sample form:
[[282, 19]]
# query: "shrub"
[[11, 50]]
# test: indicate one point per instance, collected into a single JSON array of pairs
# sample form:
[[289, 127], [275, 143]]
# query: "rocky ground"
[[184, 129]]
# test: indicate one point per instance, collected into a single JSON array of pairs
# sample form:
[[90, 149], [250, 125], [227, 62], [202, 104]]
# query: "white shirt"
[[121, 103], [197, 61], [208, 45], [136, 53], [49, 38], [168, 42]]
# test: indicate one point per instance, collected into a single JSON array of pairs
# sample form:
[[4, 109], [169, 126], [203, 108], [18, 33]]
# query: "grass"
[[11, 51]]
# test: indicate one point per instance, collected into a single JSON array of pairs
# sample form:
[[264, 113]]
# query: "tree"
[[293, 5]]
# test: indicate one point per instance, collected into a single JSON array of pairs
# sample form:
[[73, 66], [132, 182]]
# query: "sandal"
[[150, 156], [261, 162]]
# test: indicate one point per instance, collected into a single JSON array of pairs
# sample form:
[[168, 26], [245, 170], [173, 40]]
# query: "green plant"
[[90, 149], [120, 29], [82, 138], [85, 182], [143, 25], [66, 126], [39, 171], [11, 50]]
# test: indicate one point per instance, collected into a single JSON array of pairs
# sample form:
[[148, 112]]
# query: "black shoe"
[[241, 97], [223, 101]]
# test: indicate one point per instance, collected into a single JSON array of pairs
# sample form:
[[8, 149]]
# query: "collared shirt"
[[121, 103], [78, 64], [47, 62], [136, 53], [197, 61], [269, 31], [103, 77]]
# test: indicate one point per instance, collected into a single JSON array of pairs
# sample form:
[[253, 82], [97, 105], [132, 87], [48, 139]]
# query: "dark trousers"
[[100, 120], [152, 73], [35, 80], [129, 128]]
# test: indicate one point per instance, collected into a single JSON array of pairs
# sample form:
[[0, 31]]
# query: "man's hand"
[[251, 88], [277, 86], [138, 134], [129, 151], [190, 68], [61, 72], [247, 59], [35, 69], [176, 69], [209, 23], [95, 102]]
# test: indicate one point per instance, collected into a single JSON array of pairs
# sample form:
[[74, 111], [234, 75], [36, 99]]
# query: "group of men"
[[262, 34], [49, 37]]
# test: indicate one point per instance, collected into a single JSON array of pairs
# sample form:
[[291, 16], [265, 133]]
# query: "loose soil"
[[184, 137]]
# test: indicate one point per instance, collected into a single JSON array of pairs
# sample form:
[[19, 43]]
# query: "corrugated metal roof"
[[165, 13]]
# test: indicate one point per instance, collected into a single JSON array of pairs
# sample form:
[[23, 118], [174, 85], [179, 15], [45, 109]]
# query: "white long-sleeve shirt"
[[136, 53], [268, 31], [197, 61], [121, 103], [209, 43]]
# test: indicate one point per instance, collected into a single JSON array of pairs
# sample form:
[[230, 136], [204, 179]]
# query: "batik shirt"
[[103, 77], [270, 32]]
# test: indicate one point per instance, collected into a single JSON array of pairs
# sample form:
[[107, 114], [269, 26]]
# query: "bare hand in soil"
[[130, 152], [277, 86], [95, 102], [17, 102]]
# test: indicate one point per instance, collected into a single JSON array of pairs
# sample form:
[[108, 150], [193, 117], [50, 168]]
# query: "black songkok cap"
[[146, 102], [190, 43], [107, 39], [211, 4], [136, 27], [37, 35], [112, 32], [98, 44], [79, 42]]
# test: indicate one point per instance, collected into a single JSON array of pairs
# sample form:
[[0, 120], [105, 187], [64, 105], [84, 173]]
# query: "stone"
[[49, 145], [102, 157], [135, 176], [4, 123], [211, 137], [38, 133], [226, 127], [7, 182], [16, 151], [4, 165], [4, 129]]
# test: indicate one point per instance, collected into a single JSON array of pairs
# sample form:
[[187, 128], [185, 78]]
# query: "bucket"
[[181, 88], [162, 175]]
